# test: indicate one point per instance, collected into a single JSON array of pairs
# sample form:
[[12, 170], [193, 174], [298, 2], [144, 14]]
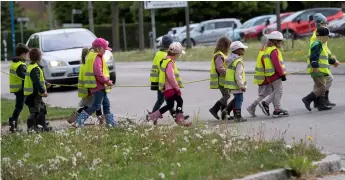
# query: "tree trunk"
[[141, 26], [115, 26]]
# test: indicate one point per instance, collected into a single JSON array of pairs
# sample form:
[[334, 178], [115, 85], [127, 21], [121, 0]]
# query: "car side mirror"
[[298, 21], [174, 31], [202, 29], [267, 22], [311, 18]]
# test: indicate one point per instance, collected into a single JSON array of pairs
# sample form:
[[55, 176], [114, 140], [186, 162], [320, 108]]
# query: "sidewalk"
[[334, 177], [204, 66]]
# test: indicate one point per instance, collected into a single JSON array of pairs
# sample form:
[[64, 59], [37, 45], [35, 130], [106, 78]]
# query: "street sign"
[[76, 11], [23, 19], [164, 4], [75, 25]]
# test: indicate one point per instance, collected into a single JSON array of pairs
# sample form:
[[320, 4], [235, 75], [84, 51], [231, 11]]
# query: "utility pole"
[[141, 26], [278, 16], [115, 26], [91, 25], [187, 27], [50, 15], [12, 29]]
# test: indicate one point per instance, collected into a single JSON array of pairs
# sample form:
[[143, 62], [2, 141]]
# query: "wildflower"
[[61, 144], [288, 146], [185, 132], [310, 138], [67, 149], [256, 147], [97, 161], [198, 136], [261, 166], [223, 136], [178, 164], [26, 155], [73, 175], [161, 175], [74, 161], [214, 141], [145, 148], [198, 148], [78, 154], [186, 139], [270, 151], [20, 163], [184, 149], [6, 159], [172, 173]]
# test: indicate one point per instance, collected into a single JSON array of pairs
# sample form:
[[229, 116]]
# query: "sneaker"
[[265, 108], [280, 113], [251, 111]]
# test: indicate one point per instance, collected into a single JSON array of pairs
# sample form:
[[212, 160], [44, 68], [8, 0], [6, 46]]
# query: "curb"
[[331, 163]]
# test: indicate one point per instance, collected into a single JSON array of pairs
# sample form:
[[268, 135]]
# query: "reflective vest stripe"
[[215, 79]]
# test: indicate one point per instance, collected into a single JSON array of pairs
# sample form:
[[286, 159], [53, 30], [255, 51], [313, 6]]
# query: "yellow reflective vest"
[[314, 38], [230, 78], [154, 76], [323, 60], [89, 76], [16, 82], [269, 68], [28, 84], [259, 75], [82, 91], [162, 74], [215, 79]]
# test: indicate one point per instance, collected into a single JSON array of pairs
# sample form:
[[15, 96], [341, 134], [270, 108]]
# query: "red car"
[[298, 24], [257, 31]]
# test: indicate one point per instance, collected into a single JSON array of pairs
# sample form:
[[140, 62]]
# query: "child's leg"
[[169, 105], [33, 106], [13, 121], [319, 90], [159, 102], [99, 112], [42, 118], [106, 110], [98, 98], [238, 107], [180, 120]]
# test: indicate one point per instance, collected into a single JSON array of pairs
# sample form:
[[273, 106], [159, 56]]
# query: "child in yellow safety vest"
[[170, 84], [318, 68], [235, 79], [97, 79], [17, 74], [265, 88], [84, 93], [217, 75], [34, 89], [154, 76]]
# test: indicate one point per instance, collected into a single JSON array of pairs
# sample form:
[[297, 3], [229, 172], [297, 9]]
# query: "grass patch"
[[54, 113], [204, 53], [142, 153]]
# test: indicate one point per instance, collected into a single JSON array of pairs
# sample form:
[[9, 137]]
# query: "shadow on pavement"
[[62, 89]]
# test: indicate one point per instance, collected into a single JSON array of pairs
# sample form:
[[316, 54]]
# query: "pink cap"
[[100, 42]]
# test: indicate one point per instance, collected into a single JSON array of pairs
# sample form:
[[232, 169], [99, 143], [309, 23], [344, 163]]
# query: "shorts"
[[86, 101], [265, 90]]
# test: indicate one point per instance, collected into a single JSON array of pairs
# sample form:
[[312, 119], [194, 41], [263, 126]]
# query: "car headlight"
[[108, 57], [56, 63]]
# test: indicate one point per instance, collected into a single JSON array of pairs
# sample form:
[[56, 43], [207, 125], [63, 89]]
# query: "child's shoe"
[[81, 119], [280, 113], [181, 121], [265, 108], [238, 117], [101, 119], [110, 120], [154, 116], [251, 110], [72, 118]]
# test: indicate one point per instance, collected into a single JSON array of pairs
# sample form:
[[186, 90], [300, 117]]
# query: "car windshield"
[[248, 23], [292, 16], [190, 29], [67, 40]]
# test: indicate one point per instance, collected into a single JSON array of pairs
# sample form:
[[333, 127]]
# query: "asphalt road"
[[326, 128]]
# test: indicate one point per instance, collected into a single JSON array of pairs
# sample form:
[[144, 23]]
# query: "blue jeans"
[[238, 100], [99, 98]]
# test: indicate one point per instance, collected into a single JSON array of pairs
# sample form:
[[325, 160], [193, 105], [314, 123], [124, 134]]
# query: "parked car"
[[209, 31], [337, 26], [296, 25], [174, 32], [61, 53]]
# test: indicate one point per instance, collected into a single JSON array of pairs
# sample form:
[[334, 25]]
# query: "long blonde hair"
[[223, 45]]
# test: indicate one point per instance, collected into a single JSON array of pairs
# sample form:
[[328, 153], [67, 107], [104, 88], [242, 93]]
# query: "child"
[[260, 79], [170, 84], [217, 75], [154, 76], [84, 93], [34, 90], [96, 78], [235, 79], [18, 71], [318, 68], [275, 74], [321, 21]]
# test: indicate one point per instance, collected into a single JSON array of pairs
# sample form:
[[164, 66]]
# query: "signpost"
[[75, 11], [21, 20], [12, 29], [152, 5]]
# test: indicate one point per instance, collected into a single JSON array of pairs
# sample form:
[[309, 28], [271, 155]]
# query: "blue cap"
[[166, 41], [319, 19]]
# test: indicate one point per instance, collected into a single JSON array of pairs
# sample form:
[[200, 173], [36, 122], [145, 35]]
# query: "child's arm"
[[276, 63], [98, 70], [219, 65], [21, 71], [238, 75], [35, 77], [171, 76]]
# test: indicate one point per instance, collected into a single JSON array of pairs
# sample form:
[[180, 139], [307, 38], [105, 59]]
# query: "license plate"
[[76, 70]]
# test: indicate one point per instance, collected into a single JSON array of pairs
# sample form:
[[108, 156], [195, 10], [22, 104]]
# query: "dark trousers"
[[170, 104], [38, 111], [238, 100], [20, 99]]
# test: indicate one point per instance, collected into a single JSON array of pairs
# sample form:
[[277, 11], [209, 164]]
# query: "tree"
[[115, 25]]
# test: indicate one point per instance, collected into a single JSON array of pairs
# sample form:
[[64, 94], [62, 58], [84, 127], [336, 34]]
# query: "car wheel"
[[289, 34], [184, 42]]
